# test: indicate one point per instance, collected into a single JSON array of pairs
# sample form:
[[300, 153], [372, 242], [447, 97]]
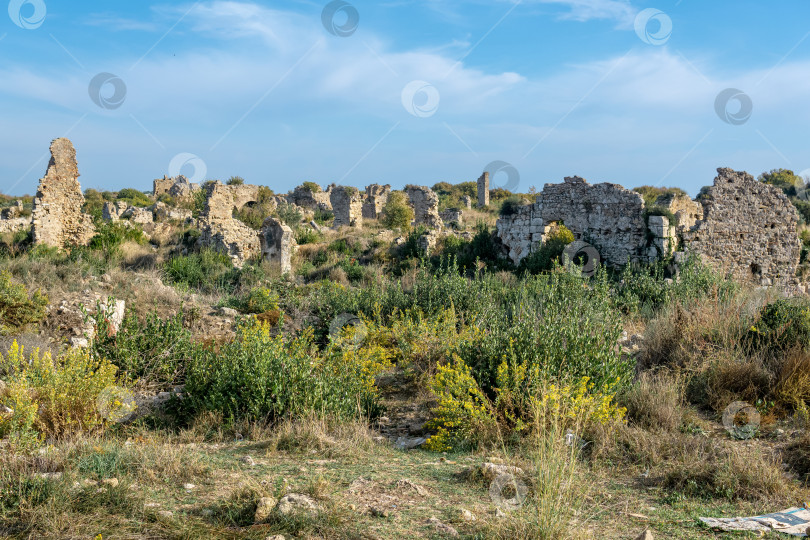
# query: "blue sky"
[[263, 90]]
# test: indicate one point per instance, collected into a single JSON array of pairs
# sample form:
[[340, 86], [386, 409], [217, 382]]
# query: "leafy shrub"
[[512, 205], [134, 197], [207, 270], [549, 253], [152, 351], [260, 300], [306, 235], [312, 187], [235, 181], [264, 378], [397, 213], [289, 214], [17, 308], [53, 397], [463, 412], [323, 216], [782, 325], [110, 236]]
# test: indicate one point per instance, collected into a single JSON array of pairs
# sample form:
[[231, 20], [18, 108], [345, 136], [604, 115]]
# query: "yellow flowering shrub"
[[577, 405], [463, 411], [53, 396]]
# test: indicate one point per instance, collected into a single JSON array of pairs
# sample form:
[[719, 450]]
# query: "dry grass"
[[655, 402]]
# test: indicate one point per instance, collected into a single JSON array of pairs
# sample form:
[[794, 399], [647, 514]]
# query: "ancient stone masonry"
[[375, 199], [453, 216], [466, 201], [278, 243], [312, 200], [178, 187], [57, 217], [425, 206], [739, 226], [748, 229], [11, 220], [221, 231], [607, 216], [347, 206], [483, 190]]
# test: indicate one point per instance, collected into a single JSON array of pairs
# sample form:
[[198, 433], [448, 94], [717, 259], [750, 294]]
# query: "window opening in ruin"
[[756, 270]]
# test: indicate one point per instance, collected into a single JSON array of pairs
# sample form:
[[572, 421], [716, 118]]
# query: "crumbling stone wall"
[[177, 186], [278, 243], [14, 224], [12, 212], [686, 211], [425, 206], [347, 206], [303, 197], [453, 216], [221, 231], [375, 199], [57, 217], [483, 190], [466, 201], [749, 229]]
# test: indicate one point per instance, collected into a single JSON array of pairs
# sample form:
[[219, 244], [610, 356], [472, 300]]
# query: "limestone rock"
[[646, 535], [278, 244], [296, 503], [264, 508], [347, 206], [425, 206], [375, 198], [490, 471], [442, 528]]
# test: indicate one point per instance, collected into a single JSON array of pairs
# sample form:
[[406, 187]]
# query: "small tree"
[[397, 212], [236, 181]]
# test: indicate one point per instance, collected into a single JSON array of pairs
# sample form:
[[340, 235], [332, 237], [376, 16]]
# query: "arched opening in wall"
[[756, 270], [251, 204]]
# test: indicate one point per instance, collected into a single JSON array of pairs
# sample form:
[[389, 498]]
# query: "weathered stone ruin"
[[748, 229], [483, 190], [306, 197], [278, 244], [221, 231], [57, 218], [425, 206], [739, 226], [466, 201], [178, 187], [347, 206], [163, 212], [453, 217], [11, 219], [375, 199]]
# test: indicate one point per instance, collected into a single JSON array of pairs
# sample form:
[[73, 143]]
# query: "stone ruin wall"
[[375, 198], [277, 243], [221, 231], [740, 226], [178, 187], [425, 204], [347, 205], [57, 218], [304, 198], [749, 229], [483, 190]]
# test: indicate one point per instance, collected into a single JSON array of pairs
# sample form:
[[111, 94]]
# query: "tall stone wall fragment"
[[347, 206], [375, 199], [749, 230], [483, 190], [57, 216], [278, 243], [425, 206]]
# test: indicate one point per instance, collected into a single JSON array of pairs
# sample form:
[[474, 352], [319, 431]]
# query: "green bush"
[[235, 181], [512, 205], [397, 213], [260, 300], [206, 271], [782, 325], [134, 197], [323, 216], [17, 307], [264, 378], [312, 187], [289, 214], [150, 352], [110, 236], [549, 253], [306, 235]]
